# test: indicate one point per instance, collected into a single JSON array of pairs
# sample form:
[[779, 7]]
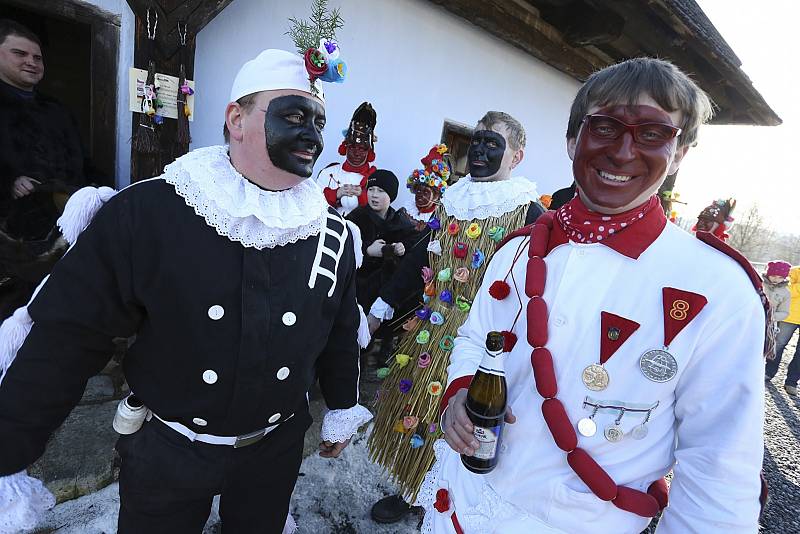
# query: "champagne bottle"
[[486, 406]]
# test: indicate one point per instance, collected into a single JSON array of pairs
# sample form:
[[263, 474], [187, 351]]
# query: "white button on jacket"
[[216, 312], [209, 376], [289, 318]]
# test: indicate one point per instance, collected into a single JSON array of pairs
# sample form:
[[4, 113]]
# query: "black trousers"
[[167, 483]]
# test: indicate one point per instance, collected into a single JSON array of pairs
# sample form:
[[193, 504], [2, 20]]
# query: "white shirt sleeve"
[[381, 310], [719, 411]]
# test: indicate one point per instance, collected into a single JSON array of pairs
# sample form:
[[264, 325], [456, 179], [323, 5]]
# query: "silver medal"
[[658, 365], [614, 433], [587, 427], [639, 431]]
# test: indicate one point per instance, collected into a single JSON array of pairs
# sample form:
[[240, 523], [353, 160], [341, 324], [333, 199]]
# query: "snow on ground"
[[332, 496]]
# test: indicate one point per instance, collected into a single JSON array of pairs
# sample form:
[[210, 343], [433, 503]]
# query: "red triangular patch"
[[680, 307], [614, 331]]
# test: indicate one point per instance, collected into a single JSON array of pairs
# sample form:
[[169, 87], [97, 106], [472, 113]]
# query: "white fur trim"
[[290, 527], [81, 209], [13, 332], [23, 501], [363, 329], [355, 231]]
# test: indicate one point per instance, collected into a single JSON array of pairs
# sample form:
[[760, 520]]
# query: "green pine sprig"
[[322, 24]]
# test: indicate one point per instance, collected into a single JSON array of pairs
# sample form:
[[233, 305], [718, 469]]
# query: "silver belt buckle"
[[248, 439]]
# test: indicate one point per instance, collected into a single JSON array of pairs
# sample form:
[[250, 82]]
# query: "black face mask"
[[486, 150], [293, 125]]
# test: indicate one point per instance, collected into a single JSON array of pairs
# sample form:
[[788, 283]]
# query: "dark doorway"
[[79, 45]]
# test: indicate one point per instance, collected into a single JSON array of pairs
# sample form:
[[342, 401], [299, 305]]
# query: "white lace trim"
[[23, 501], [240, 210], [413, 211], [491, 507], [340, 425], [381, 310], [467, 200]]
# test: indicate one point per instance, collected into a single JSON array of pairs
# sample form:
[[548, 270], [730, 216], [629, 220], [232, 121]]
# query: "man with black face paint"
[[473, 216], [638, 346], [238, 281]]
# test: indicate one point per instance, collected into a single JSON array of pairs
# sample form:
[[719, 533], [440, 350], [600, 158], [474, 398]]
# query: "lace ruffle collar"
[[468, 200], [238, 209]]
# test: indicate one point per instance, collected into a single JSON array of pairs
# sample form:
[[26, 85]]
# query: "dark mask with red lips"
[[486, 150], [293, 126], [646, 166]]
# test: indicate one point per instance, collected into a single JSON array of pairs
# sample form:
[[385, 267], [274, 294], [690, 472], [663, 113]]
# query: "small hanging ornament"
[[182, 135], [499, 289], [145, 139]]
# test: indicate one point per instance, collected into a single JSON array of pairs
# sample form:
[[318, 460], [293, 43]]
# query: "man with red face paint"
[[238, 281], [345, 185], [639, 345]]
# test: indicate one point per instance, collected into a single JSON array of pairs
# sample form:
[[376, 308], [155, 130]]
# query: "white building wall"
[[417, 63], [125, 62]]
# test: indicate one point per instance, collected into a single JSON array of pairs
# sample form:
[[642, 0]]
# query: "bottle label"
[[487, 441]]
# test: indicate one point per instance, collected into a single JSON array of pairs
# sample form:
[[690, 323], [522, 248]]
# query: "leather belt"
[[232, 441]]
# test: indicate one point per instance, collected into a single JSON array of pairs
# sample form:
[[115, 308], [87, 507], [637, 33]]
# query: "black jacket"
[[148, 265], [39, 138], [376, 271]]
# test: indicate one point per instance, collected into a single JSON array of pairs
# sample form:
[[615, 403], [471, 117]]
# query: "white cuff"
[[381, 310], [364, 336], [349, 203], [339, 425], [23, 501]]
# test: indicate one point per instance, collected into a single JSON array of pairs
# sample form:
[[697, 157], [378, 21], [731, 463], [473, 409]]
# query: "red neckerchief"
[[364, 170], [629, 233]]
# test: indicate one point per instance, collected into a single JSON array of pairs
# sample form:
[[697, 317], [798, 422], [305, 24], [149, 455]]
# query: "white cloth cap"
[[272, 70]]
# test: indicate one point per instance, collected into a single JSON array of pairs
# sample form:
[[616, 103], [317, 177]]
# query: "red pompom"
[[342, 149], [499, 289], [442, 503], [509, 340]]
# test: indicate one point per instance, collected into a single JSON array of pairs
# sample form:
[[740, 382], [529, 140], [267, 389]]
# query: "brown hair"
[[12, 27], [246, 103], [516, 132], [625, 82]]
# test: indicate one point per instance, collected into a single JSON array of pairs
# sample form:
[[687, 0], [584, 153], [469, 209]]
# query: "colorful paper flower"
[[424, 314], [423, 337], [435, 247], [402, 359], [417, 441], [473, 231], [497, 233], [427, 274], [444, 275], [460, 250], [499, 289], [453, 228], [424, 360], [430, 289], [432, 428], [426, 298], [463, 304], [383, 372], [410, 422], [336, 71], [477, 259], [437, 318], [434, 224], [185, 89], [435, 388], [446, 297], [158, 119], [447, 343], [398, 427], [405, 385]]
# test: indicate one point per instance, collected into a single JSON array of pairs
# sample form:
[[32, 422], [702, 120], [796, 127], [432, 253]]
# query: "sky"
[[753, 163]]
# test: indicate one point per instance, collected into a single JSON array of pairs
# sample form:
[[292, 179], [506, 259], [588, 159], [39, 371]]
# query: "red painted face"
[[616, 175]]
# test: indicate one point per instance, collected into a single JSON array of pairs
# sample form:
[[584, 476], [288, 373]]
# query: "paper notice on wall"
[[164, 99]]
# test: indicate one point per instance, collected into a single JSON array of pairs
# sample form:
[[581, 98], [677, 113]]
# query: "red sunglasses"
[[648, 133]]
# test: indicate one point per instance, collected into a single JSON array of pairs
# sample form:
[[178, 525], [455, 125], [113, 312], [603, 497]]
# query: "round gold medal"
[[595, 377]]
